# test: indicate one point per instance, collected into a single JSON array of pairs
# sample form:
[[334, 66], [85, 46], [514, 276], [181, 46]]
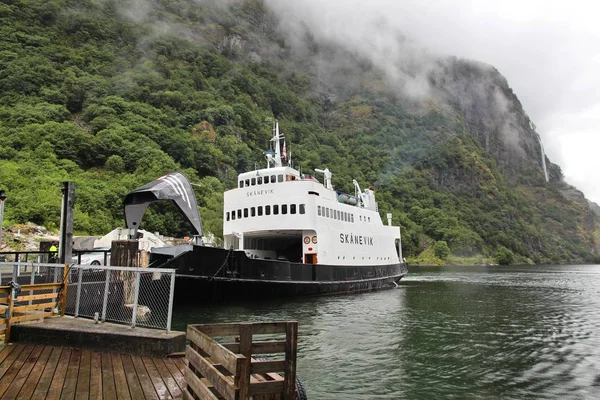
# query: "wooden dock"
[[49, 372]]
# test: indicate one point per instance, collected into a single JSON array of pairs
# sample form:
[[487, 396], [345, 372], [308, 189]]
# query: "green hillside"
[[113, 94]]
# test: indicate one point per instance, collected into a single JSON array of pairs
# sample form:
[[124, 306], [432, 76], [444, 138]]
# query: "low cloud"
[[547, 50]]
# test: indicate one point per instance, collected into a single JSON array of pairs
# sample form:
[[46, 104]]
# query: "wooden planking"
[[6, 351], [266, 387], [108, 380], [30, 317], [167, 378], [273, 346], [159, 385], [37, 297], [197, 386], [39, 286], [266, 347], [70, 383], [261, 367], [145, 380], [176, 372], [207, 370], [217, 329], [34, 307], [180, 362], [291, 350], [120, 378], [10, 358], [233, 329], [17, 384], [218, 353], [40, 372], [132, 380], [83, 378], [262, 328], [51, 371], [36, 372], [96, 376], [242, 374], [14, 368]]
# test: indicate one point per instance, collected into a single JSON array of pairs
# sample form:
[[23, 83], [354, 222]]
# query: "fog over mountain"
[[547, 50]]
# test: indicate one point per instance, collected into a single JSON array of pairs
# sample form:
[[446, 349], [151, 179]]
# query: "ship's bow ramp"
[[173, 186]]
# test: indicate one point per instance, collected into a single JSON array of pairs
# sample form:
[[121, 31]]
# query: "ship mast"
[[274, 156]]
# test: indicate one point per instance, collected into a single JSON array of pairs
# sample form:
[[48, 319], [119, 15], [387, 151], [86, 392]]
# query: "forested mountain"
[[112, 94]]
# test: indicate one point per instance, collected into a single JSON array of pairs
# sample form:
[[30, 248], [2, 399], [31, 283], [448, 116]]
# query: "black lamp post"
[[2, 198]]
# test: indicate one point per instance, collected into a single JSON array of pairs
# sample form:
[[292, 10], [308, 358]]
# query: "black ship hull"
[[207, 273]]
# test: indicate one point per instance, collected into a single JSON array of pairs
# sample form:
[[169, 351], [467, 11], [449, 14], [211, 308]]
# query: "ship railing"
[[127, 295]]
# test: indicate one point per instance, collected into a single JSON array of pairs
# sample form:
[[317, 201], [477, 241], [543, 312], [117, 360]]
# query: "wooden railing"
[[228, 371], [40, 305]]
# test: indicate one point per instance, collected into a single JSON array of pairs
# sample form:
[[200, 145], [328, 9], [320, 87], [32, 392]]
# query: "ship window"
[[339, 214], [239, 212], [284, 208], [273, 178], [344, 216], [352, 218], [245, 213], [275, 209], [233, 215], [241, 184], [292, 209], [302, 209], [253, 212], [227, 216], [318, 210], [327, 212], [369, 219], [260, 209], [280, 178], [259, 180], [247, 182], [332, 213], [253, 181], [267, 210]]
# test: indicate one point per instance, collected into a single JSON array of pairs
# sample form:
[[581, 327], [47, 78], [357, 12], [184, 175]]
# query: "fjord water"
[[451, 332]]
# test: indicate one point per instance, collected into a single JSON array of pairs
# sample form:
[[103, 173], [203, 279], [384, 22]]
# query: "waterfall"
[[543, 154]]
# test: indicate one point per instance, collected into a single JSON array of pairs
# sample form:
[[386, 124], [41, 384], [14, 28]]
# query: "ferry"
[[289, 234]]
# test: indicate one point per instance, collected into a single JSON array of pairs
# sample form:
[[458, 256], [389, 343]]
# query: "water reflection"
[[525, 332]]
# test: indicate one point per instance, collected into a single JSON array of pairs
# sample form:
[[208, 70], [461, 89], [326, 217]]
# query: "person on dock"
[[53, 253]]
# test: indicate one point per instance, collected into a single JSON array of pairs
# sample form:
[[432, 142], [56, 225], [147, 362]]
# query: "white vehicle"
[[96, 256]]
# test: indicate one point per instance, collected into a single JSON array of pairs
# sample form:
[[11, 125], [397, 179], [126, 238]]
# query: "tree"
[[441, 249], [504, 256]]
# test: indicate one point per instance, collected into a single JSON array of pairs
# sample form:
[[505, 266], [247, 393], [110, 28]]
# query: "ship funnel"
[[389, 217]]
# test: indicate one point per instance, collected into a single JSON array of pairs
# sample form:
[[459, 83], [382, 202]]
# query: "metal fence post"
[[171, 298], [105, 301], [32, 281], [80, 270], [135, 299]]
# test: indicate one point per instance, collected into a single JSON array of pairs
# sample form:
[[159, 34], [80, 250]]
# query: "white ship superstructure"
[[278, 213]]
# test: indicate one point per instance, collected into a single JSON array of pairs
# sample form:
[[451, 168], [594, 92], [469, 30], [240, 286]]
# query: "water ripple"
[[452, 333]]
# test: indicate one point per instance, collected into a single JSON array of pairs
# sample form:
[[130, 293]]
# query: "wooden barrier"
[[228, 371], [12, 312]]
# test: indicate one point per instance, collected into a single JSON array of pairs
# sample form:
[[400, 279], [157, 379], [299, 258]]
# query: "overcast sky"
[[548, 50]]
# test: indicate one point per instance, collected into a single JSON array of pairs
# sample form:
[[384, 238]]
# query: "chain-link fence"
[[135, 296]]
